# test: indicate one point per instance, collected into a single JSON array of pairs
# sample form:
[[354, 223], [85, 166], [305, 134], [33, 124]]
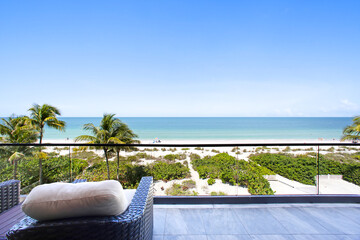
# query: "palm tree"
[[352, 132], [45, 115], [104, 134], [123, 134], [14, 158], [16, 130], [41, 116]]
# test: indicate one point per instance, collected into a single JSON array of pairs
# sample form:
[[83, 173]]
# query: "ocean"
[[216, 128]]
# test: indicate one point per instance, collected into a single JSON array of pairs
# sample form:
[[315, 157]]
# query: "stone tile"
[[321, 237], [297, 221], [222, 221], [159, 221], [187, 206], [185, 237], [352, 237], [351, 212], [272, 237], [158, 237], [184, 221], [334, 221], [229, 237], [260, 221]]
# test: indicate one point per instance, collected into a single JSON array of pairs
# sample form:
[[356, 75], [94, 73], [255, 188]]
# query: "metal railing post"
[[70, 165], [318, 170]]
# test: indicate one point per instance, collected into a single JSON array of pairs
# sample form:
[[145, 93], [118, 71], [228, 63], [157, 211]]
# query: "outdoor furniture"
[[79, 180], [9, 194], [135, 223]]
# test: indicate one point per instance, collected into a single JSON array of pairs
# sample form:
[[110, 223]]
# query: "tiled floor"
[[259, 221]]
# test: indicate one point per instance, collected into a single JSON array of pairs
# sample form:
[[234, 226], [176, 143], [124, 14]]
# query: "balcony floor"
[[257, 221], [246, 221]]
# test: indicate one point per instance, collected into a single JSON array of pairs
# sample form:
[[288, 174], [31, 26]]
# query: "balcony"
[[326, 209]]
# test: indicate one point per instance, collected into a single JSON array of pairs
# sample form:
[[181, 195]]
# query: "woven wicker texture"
[[9, 194], [135, 223]]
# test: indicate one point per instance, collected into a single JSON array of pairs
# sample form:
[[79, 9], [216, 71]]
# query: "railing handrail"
[[178, 145]]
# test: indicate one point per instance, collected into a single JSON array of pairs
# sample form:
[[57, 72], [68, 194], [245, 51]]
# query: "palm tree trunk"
[[107, 163], [15, 168], [118, 164]]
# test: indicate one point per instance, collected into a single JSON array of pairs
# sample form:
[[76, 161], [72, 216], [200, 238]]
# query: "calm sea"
[[194, 128]]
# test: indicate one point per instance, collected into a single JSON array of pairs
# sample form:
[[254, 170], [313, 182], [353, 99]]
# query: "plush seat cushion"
[[65, 200]]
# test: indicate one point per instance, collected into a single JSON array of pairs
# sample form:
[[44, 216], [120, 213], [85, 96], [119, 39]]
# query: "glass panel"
[[193, 171]]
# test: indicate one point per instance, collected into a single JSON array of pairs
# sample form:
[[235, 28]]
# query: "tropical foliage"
[[109, 131], [352, 132], [55, 169], [41, 116], [17, 130], [168, 171], [236, 172], [303, 168]]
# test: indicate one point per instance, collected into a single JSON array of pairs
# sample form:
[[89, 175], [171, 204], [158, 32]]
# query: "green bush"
[[172, 157], [303, 168], [183, 189], [168, 171], [217, 194], [194, 156], [211, 181], [236, 172]]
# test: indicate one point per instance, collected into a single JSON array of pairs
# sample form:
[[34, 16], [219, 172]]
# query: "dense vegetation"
[[168, 171], [236, 172], [55, 169], [303, 168]]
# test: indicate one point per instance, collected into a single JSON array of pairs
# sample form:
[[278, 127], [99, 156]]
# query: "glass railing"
[[192, 169]]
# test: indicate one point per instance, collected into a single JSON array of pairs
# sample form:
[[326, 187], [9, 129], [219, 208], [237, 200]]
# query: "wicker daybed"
[[135, 223], [9, 194]]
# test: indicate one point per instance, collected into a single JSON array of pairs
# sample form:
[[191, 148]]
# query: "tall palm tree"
[[352, 132], [41, 116], [16, 130], [45, 115], [104, 134], [125, 135]]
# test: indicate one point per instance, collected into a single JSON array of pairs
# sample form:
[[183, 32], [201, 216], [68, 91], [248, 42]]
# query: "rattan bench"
[[135, 223]]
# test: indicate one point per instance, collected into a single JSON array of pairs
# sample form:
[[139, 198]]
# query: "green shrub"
[[172, 157], [168, 171], [217, 194], [189, 184], [183, 189], [211, 181], [236, 172], [303, 168], [194, 156]]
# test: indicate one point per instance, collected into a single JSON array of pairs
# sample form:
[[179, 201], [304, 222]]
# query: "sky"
[[185, 58]]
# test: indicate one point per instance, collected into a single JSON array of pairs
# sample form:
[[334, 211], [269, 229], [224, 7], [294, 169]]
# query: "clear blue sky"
[[181, 58]]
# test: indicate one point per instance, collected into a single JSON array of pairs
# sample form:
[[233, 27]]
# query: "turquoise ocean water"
[[193, 128]]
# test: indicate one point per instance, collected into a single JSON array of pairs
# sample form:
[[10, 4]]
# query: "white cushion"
[[65, 200], [129, 194]]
